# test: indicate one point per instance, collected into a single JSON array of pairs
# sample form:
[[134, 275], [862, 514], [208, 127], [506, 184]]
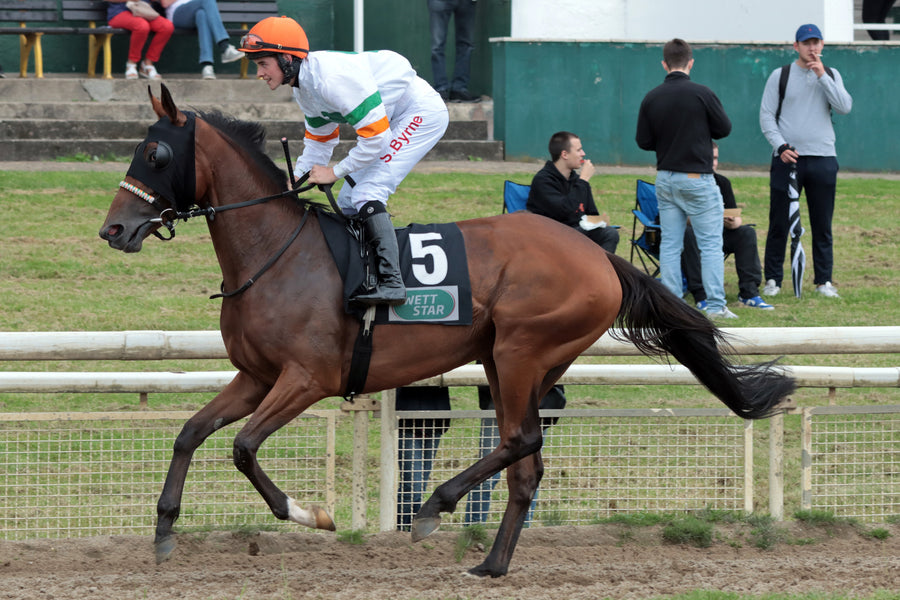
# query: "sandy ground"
[[601, 561]]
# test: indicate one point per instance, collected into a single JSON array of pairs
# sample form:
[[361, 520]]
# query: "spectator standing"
[[397, 117], [463, 14], [418, 442], [203, 15], [876, 11], [799, 128], [120, 16], [737, 239], [679, 120], [561, 191]]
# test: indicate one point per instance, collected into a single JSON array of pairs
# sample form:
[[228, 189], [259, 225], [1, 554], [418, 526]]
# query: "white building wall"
[[694, 20]]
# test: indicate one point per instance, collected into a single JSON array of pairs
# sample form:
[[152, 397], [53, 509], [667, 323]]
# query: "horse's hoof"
[[483, 570], [422, 528], [323, 519], [314, 517], [164, 549]]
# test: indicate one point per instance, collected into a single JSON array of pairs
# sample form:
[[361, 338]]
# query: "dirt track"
[[559, 563]]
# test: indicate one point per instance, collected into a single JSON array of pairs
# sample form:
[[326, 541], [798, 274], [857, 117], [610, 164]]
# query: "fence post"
[[776, 467], [388, 502], [748, 466], [806, 459], [360, 408], [330, 463]]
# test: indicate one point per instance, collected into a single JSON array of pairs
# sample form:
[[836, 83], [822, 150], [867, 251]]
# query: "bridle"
[[168, 217], [164, 211]]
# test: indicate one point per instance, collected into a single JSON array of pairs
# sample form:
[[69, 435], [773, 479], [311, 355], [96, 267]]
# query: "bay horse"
[[541, 294]]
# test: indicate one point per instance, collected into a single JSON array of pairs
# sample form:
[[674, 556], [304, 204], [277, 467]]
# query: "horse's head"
[[160, 180]]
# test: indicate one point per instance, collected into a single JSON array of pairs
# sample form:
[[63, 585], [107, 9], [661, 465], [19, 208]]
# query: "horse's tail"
[[659, 324]]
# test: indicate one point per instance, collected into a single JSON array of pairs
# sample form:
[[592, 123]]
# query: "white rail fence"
[[598, 461]]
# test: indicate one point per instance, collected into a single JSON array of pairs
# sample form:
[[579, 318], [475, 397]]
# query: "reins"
[[265, 267], [168, 217]]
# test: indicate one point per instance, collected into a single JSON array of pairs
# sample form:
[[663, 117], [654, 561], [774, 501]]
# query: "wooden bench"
[[245, 13], [29, 13], [34, 18]]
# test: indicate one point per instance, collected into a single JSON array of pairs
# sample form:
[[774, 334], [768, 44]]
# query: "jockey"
[[398, 117]]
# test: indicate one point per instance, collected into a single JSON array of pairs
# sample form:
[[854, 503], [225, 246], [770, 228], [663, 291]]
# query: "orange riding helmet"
[[276, 35]]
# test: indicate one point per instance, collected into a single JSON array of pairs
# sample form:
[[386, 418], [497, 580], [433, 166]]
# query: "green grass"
[[472, 536], [59, 276], [689, 530], [703, 528]]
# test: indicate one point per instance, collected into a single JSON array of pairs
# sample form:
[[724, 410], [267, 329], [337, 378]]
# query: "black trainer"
[[463, 96]]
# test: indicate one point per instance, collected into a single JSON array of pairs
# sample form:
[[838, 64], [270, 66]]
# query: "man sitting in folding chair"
[[562, 192]]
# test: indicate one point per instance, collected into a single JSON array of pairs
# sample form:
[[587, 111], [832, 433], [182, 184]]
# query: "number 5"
[[419, 251]]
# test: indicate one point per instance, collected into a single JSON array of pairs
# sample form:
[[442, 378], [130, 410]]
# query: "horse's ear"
[[157, 105], [166, 106]]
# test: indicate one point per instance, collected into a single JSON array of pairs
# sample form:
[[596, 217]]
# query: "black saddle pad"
[[434, 268]]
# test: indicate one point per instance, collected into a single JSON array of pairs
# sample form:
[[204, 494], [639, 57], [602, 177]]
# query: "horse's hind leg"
[[522, 480], [236, 401], [520, 436]]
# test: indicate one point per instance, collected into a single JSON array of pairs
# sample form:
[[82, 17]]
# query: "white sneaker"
[[827, 290], [231, 54], [721, 314], [770, 288], [207, 72]]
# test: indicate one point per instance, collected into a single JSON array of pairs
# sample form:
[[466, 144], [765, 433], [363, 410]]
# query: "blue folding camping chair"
[[515, 196], [646, 245]]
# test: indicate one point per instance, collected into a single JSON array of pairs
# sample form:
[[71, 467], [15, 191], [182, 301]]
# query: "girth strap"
[[362, 354]]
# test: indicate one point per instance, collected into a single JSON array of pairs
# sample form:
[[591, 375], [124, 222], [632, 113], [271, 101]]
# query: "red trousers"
[[140, 29]]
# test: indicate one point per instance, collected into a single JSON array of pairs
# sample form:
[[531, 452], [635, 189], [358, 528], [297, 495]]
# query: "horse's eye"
[[158, 155]]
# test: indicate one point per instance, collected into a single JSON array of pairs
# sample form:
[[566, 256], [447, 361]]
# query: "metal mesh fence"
[[596, 466], [855, 463], [68, 478], [90, 474]]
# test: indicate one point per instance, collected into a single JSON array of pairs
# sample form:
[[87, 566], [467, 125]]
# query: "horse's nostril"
[[111, 231]]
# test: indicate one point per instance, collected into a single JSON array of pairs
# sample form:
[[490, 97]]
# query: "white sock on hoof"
[[314, 517], [300, 515]]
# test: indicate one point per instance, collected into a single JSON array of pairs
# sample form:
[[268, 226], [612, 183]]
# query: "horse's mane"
[[250, 136]]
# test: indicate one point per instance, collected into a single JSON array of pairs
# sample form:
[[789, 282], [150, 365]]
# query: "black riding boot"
[[383, 241]]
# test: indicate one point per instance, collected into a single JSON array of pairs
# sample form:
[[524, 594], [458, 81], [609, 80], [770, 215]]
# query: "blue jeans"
[[464, 13], [695, 196], [202, 15], [416, 455], [478, 504]]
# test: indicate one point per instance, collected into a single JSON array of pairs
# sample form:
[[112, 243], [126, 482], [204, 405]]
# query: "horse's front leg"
[[522, 480], [286, 400], [237, 400]]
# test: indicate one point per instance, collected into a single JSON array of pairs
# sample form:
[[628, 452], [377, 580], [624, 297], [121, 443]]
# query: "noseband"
[[164, 211]]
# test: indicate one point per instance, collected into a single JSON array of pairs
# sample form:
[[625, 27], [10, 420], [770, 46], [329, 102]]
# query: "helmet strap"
[[290, 66]]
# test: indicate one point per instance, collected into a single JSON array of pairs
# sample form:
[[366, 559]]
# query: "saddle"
[[435, 272], [433, 265]]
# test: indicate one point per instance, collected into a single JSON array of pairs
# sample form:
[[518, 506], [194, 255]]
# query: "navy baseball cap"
[[807, 32]]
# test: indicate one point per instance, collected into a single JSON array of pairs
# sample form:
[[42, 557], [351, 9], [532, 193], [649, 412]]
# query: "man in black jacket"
[[679, 120], [561, 192]]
